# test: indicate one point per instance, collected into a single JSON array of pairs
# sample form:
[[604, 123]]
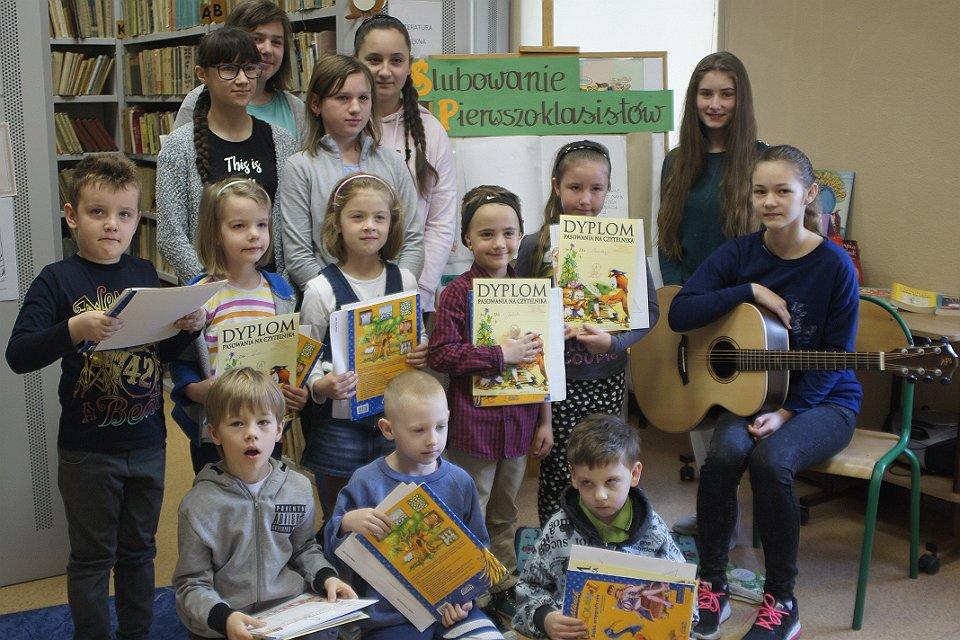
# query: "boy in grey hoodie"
[[246, 530]]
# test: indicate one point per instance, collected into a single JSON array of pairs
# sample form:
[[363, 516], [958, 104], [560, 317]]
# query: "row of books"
[[80, 135], [914, 299], [141, 130], [153, 16], [164, 71], [301, 5], [148, 187], [309, 47], [75, 74], [81, 18]]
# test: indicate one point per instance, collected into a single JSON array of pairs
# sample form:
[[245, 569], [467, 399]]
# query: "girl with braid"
[[270, 101], [343, 137], [383, 44], [222, 140]]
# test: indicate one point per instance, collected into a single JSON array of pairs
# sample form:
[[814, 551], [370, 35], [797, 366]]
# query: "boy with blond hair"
[[604, 508], [112, 434], [246, 532], [415, 419]]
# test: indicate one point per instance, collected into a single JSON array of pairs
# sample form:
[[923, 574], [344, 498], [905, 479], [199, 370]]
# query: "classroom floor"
[[896, 607]]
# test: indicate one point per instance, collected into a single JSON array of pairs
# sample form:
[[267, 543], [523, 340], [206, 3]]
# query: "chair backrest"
[[881, 328]]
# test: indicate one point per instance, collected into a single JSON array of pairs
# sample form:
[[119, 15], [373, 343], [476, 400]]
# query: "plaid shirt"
[[494, 433]]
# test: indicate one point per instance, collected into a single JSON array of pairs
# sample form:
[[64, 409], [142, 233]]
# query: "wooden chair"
[[871, 452]]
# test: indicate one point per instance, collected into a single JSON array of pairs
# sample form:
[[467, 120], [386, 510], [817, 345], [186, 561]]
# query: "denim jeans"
[[112, 503], [808, 438]]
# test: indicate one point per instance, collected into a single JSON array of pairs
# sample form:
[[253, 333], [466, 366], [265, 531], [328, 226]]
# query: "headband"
[[580, 145], [233, 183], [491, 198], [367, 24], [336, 192]]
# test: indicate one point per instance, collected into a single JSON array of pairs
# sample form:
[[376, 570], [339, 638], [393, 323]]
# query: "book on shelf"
[[145, 246], [141, 129], [912, 298], [81, 135], [852, 247], [428, 561], [161, 71], [309, 47], [81, 18], [504, 309], [948, 306], [76, 75], [602, 270], [305, 614], [373, 339], [618, 594], [881, 293]]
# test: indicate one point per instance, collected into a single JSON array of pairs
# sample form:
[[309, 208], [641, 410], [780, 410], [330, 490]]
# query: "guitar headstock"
[[924, 362]]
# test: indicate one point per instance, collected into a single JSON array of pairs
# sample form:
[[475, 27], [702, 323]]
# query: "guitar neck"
[[771, 360]]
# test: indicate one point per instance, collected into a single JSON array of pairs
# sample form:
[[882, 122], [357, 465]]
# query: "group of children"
[[344, 210]]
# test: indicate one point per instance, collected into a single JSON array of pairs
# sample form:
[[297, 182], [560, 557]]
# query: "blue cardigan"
[[822, 297]]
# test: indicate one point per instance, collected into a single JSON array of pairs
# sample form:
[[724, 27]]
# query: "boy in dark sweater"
[[112, 432]]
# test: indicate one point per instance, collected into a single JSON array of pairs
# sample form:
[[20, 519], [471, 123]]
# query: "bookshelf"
[[149, 41]]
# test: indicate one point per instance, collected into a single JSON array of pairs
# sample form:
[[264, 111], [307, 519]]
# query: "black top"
[[255, 157], [111, 400]]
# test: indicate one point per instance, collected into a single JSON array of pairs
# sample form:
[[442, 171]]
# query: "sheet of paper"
[[9, 282], [306, 613], [150, 315]]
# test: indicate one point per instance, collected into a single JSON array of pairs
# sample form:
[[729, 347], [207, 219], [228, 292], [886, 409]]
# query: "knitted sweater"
[[179, 189]]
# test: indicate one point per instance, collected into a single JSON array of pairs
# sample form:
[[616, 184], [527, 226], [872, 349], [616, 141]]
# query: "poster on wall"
[[9, 284], [424, 22]]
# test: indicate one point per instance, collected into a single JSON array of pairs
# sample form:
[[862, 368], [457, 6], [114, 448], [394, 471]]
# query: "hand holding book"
[[522, 349], [366, 521]]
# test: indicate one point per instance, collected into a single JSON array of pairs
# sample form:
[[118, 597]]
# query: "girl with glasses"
[[270, 100], [222, 140]]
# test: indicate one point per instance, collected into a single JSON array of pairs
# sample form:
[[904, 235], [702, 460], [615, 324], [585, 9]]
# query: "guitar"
[[742, 363]]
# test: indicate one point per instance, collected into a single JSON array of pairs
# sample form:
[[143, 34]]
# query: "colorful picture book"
[[624, 595], [267, 344], [836, 193], [373, 339], [308, 354], [744, 584], [507, 309], [602, 272], [306, 614], [948, 306], [913, 298], [429, 560]]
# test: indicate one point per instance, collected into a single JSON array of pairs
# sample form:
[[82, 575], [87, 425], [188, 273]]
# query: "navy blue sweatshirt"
[[111, 400], [822, 296]]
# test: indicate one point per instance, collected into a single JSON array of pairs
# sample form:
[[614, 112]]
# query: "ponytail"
[[425, 173]]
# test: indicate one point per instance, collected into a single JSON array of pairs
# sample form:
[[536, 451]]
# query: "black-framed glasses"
[[230, 70]]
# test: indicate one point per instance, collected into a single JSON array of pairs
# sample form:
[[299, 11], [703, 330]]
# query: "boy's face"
[[493, 237], [247, 440], [604, 489], [103, 221], [419, 432]]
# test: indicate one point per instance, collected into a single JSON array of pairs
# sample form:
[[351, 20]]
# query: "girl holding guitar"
[[810, 284]]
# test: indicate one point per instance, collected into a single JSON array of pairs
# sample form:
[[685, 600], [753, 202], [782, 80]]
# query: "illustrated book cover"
[[373, 339], [602, 272], [265, 344], [428, 561], [836, 194], [913, 298], [508, 308], [620, 594]]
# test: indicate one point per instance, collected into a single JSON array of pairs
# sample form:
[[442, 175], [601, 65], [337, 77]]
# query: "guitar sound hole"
[[722, 360]]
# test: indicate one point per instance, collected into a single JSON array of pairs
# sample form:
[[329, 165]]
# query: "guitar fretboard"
[[766, 360]]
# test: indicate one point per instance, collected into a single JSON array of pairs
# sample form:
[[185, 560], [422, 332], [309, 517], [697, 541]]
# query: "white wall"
[[685, 29]]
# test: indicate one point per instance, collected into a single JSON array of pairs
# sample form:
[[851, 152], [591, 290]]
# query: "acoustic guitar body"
[[677, 378]]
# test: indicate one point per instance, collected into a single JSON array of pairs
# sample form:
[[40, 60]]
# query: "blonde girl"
[[343, 137], [382, 43], [362, 232], [595, 360], [234, 242]]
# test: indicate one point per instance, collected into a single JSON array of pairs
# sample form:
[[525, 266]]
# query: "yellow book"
[[625, 595], [265, 344], [308, 355], [428, 561], [373, 339], [505, 309], [601, 269], [913, 299]]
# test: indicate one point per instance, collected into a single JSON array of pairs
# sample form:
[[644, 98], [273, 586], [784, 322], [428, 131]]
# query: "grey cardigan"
[[297, 108], [307, 184], [179, 189]]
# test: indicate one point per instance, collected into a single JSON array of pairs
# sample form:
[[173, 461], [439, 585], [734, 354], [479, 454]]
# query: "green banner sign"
[[531, 96]]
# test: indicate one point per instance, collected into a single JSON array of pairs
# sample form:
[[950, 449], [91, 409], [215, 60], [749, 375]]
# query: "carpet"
[[54, 623]]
